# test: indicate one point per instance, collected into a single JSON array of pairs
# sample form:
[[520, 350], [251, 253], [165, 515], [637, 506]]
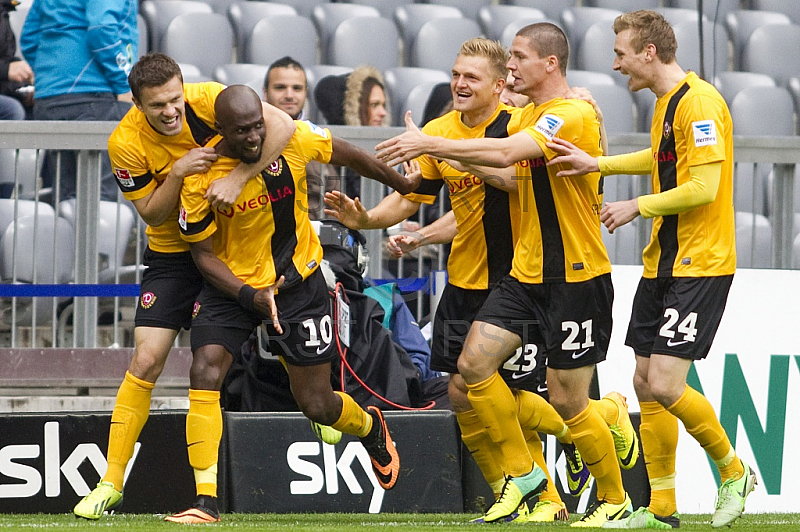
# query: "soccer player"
[[262, 256], [157, 144], [486, 221], [560, 281], [688, 264]]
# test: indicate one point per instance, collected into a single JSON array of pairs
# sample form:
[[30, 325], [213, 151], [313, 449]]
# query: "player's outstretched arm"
[[159, 205], [392, 209], [346, 154], [280, 128], [442, 231]]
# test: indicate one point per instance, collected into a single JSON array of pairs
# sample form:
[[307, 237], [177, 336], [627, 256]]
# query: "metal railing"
[[105, 267]]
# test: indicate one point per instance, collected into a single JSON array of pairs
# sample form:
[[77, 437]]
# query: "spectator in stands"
[[16, 76], [285, 87], [354, 99], [81, 53]]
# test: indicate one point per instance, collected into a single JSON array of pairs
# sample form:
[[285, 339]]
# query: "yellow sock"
[[131, 410], [494, 403], [353, 419], [550, 492], [594, 442], [700, 420], [535, 413], [659, 434], [203, 433], [607, 409], [486, 454]]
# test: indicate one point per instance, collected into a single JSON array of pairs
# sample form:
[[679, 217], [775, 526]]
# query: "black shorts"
[[304, 311], [677, 316], [575, 318], [454, 316], [170, 286]]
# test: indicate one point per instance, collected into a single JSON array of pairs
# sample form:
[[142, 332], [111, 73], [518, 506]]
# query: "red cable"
[[343, 357]]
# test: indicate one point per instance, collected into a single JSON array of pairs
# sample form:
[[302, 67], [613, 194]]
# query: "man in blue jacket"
[[81, 52]]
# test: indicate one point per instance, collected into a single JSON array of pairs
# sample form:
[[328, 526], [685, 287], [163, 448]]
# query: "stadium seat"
[[439, 40], [676, 15], [794, 90], [385, 7], [753, 241], [416, 101], [577, 20], [11, 209], [240, 74], [551, 8], [730, 83], [220, 6], [713, 10], [144, 39], [788, 7], [618, 106], [18, 172], [327, 17], [304, 7], [583, 78], [314, 73], [742, 23], [245, 15], [187, 40], [411, 17], [401, 81], [763, 52], [365, 41], [796, 253], [494, 19], [749, 118], [282, 35], [192, 74], [159, 13], [623, 5], [715, 52], [468, 8], [597, 51], [645, 103]]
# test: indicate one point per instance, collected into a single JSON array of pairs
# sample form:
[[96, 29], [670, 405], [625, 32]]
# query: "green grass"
[[343, 522]]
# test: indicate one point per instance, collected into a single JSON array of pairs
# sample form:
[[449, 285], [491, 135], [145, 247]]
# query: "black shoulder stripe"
[[498, 129], [128, 183], [201, 132], [197, 227], [429, 187]]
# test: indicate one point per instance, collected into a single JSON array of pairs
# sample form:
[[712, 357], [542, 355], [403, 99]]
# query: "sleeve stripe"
[[429, 187], [198, 227]]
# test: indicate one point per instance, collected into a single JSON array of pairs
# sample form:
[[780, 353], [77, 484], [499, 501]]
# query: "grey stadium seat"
[[584, 78], [187, 40], [304, 7], [577, 20], [327, 17], [711, 8], [753, 241], [676, 15], [623, 5], [18, 171], [439, 40], [469, 8], [618, 107], [715, 53], [416, 101], [245, 15], [401, 81], [760, 52], [551, 8], [144, 37], [240, 74], [597, 51], [730, 83], [742, 23], [789, 7], [192, 74], [282, 35], [494, 19], [159, 13], [364, 41], [385, 7], [410, 19]]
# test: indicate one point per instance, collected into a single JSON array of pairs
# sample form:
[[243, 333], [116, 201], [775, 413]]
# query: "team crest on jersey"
[[667, 129], [148, 298], [705, 133], [195, 309], [548, 125], [182, 218], [124, 177], [275, 168]]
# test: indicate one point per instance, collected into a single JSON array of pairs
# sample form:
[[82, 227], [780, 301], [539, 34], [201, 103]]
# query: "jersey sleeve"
[[563, 120], [129, 164], [702, 120], [315, 142], [196, 219]]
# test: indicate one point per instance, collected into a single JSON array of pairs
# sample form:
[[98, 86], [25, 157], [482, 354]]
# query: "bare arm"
[[345, 154], [280, 128], [158, 206], [441, 231], [502, 178], [220, 275], [499, 153], [392, 209]]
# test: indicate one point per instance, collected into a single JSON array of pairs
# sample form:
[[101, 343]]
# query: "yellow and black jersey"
[[560, 230], [267, 233], [141, 157], [692, 126], [487, 217]]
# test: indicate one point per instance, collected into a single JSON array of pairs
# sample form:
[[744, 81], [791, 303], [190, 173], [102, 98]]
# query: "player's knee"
[[147, 364], [318, 408]]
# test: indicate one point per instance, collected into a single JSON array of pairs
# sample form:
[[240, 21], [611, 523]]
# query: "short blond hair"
[[649, 27], [493, 51]]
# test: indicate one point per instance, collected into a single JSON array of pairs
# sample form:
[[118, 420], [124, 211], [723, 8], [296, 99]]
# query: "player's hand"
[[575, 160], [398, 245], [264, 302], [348, 211], [403, 147], [223, 193], [413, 174], [196, 161], [618, 213]]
